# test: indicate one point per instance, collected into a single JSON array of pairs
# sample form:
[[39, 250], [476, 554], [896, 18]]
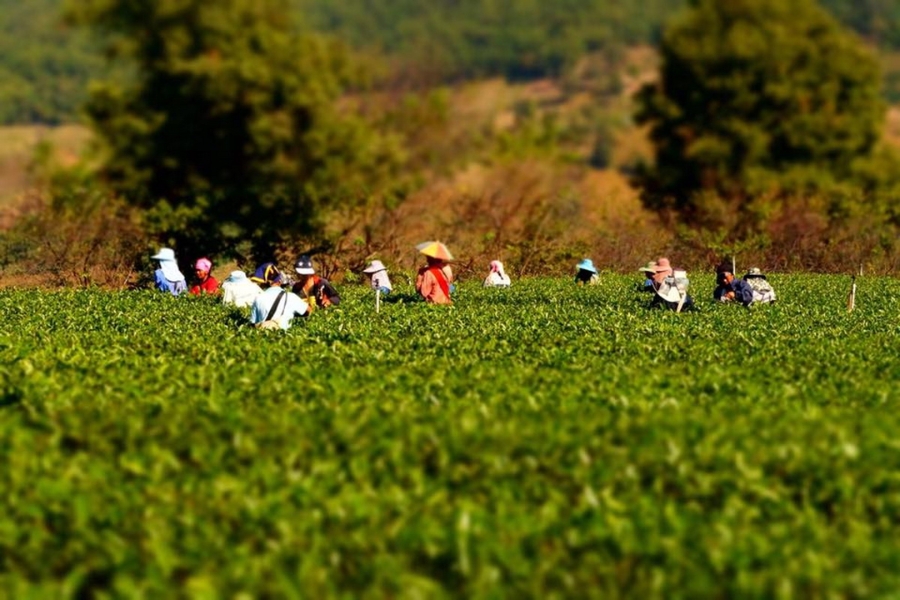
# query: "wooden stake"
[[377, 300]]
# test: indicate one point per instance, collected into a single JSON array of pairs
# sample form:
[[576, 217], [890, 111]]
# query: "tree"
[[754, 94], [229, 128]]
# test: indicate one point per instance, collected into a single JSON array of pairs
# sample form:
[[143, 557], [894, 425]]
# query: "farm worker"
[[309, 285], [168, 277], [433, 281], [378, 277], [274, 308], [730, 289], [206, 283], [662, 270], [762, 289], [496, 277], [672, 292], [649, 270], [237, 289], [586, 272]]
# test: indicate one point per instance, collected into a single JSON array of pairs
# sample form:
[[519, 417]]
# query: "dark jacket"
[[321, 289], [743, 293]]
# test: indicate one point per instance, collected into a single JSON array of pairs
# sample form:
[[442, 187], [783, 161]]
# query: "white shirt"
[[290, 306], [381, 279], [240, 293], [495, 278]]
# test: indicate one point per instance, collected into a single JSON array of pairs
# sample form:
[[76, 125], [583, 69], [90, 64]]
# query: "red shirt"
[[208, 286]]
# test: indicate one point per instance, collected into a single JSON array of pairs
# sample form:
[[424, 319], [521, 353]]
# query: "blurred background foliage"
[[251, 130]]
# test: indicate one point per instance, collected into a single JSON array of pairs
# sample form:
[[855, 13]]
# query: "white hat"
[[374, 267], [236, 276], [164, 254]]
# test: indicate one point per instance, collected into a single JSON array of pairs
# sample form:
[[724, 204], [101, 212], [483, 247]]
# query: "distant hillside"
[[45, 66]]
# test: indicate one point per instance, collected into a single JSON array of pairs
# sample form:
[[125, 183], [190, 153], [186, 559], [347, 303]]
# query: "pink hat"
[[496, 266], [203, 264], [663, 264]]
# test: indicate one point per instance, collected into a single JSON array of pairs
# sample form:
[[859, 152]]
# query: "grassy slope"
[[547, 440]]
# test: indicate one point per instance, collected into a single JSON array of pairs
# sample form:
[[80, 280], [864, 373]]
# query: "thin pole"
[[851, 300], [377, 300]]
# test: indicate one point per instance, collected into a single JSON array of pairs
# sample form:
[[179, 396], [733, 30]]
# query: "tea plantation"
[[545, 441]]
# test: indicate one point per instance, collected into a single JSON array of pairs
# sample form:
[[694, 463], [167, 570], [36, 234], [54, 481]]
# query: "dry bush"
[[85, 240], [535, 216], [811, 233]]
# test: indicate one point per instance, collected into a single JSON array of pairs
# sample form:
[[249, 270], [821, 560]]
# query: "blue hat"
[[586, 264], [267, 273]]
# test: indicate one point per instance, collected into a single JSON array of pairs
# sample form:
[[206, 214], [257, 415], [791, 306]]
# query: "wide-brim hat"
[[304, 266], [164, 254], [374, 267], [435, 250], [236, 276], [650, 267], [662, 265], [669, 292], [586, 264], [754, 273]]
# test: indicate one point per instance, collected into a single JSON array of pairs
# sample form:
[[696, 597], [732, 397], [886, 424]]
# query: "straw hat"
[[650, 267]]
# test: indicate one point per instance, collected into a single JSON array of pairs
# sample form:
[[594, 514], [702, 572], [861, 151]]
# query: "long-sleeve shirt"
[[381, 281], [497, 279], [429, 287], [743, 293], [207, 286], [319, 289], [167, 285], [240, 293]]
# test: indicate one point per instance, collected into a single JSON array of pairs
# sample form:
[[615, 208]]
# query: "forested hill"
[[44, 66]]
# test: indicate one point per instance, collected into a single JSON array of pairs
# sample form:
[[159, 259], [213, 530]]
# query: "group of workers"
[[669, 285], [275, 299]]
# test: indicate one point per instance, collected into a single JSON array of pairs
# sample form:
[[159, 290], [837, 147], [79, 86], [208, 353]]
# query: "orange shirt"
[[430, 289]]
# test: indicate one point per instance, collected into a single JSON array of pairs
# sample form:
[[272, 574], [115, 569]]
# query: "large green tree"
[[230, 128], [754, 94]]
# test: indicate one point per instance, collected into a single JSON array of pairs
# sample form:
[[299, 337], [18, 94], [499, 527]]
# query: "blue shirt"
[[743, 293], [165, 285], [290, 306]]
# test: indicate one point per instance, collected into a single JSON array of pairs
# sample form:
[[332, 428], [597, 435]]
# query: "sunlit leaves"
[[541, 440]]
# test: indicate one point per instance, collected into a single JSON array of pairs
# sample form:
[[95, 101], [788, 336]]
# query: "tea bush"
[[542, 441]]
